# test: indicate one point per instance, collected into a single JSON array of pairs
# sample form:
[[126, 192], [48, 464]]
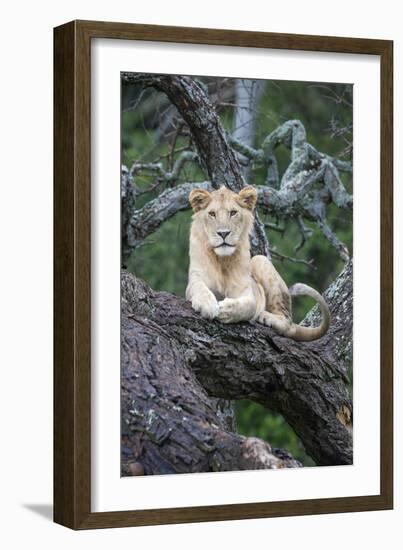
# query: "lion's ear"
[[199, 199], [247, 197]]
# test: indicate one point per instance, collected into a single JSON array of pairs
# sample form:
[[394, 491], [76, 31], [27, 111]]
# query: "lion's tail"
[[307, 334]]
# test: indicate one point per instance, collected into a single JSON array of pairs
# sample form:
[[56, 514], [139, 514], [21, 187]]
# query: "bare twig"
[[305, 232], [283, 257], [157, 168], [334, 241], [275, 227]]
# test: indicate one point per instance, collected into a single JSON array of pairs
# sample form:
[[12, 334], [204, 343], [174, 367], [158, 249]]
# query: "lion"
[[225, 283]]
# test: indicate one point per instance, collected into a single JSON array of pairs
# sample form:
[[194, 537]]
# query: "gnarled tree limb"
[[291, 203], [169, 424], [215, 154], [169, 346]]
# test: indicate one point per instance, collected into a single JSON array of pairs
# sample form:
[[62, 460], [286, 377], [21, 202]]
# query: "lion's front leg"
[[234, 310], [203, 300]]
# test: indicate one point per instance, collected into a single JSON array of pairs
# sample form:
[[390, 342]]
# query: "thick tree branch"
[[216, 155], [293, 203], [148, 219], [169, 424], [305, 382]]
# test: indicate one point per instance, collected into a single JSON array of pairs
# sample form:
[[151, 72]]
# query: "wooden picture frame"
[[72, 270]]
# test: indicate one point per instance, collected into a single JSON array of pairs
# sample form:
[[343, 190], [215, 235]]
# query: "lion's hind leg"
[[277, 312]]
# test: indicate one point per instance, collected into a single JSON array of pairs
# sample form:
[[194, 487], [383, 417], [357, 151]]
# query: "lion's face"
[[225, 217]]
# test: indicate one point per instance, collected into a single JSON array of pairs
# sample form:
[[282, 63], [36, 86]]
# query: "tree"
[[179, 372]]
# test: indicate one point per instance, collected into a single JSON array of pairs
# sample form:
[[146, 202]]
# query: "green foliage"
[[254, 420], [162, 260]]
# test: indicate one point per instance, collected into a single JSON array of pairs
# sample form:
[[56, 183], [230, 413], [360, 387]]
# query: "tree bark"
[[173, 361], [169, 424]]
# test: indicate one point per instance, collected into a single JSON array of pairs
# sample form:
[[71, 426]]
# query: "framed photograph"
[[222, 275]]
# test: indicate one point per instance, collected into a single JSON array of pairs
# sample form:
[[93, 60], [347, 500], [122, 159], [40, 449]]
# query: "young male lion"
[[225, 282]]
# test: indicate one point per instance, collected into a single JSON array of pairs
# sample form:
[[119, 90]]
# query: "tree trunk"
[[173, 362], [247, 98]]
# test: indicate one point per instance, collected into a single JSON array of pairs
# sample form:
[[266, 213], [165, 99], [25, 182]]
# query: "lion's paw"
[[228, 311], [208, 309], [265, 319]]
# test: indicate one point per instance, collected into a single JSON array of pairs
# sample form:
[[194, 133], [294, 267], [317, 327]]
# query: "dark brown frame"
[[72, 320]]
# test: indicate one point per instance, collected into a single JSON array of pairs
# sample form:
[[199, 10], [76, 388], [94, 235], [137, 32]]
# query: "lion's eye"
[[212, 213], [233, 213]]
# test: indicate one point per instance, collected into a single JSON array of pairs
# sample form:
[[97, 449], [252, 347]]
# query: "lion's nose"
[[223, 234]]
